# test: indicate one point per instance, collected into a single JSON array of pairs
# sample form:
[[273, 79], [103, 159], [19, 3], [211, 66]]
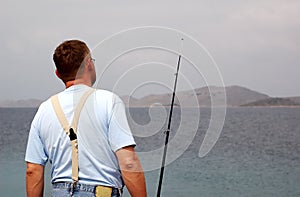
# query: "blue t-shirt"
[[102, 130]]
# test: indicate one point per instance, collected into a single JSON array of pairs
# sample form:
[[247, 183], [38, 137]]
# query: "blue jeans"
[[80, 190]]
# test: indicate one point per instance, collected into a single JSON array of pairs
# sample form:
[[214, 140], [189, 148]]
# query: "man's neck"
[[76, 82]]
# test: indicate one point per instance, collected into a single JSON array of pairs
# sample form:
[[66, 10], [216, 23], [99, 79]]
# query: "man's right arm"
[[132, 172], [34, 180]]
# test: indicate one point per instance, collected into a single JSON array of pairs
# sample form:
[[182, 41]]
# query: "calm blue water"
[[257, 154]]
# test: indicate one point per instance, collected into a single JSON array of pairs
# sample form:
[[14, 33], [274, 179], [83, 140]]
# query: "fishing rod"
[[167, 132]]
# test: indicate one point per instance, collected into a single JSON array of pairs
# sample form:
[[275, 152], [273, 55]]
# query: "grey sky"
[[254, 43]]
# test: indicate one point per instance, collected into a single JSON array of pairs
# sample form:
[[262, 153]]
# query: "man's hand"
[[132, 172], [34, 180]]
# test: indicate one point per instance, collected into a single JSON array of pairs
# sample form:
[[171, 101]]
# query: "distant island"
[[274, 102], [236, 96]]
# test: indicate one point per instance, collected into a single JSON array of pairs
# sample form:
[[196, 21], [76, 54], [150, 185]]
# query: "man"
[[100, 139]]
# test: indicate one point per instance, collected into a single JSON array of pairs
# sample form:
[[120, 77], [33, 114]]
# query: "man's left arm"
[[34, 180]]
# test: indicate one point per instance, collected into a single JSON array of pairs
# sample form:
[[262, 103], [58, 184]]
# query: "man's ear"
[[57, 74], [89, 65]]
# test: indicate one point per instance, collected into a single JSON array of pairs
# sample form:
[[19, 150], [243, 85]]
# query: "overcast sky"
[[255, 44]]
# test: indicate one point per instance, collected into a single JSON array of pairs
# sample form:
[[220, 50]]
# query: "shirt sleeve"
[[35, 152], [119, 131]]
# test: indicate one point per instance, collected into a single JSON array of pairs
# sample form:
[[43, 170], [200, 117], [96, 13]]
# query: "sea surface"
[[257, 153]]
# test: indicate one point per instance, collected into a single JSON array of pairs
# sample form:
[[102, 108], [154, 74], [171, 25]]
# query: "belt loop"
[[73, 185], [120, 192], [71, 190]]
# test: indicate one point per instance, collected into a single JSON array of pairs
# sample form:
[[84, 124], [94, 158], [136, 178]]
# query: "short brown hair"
[[68, 57]]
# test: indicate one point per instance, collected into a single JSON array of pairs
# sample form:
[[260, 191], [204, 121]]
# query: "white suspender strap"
[[60, 114], [71, 130], [79, 108]]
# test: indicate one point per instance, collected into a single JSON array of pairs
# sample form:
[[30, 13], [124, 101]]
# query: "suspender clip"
[[72, 134]]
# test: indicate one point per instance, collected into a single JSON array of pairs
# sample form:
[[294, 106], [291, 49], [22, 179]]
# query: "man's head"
[[70, 59]]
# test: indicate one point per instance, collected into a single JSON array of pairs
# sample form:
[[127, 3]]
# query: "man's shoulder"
[[45, 104], [43, 109], [106, 94], [102, 95]]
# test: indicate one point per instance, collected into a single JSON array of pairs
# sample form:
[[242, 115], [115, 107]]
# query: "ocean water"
[[257, 154]]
